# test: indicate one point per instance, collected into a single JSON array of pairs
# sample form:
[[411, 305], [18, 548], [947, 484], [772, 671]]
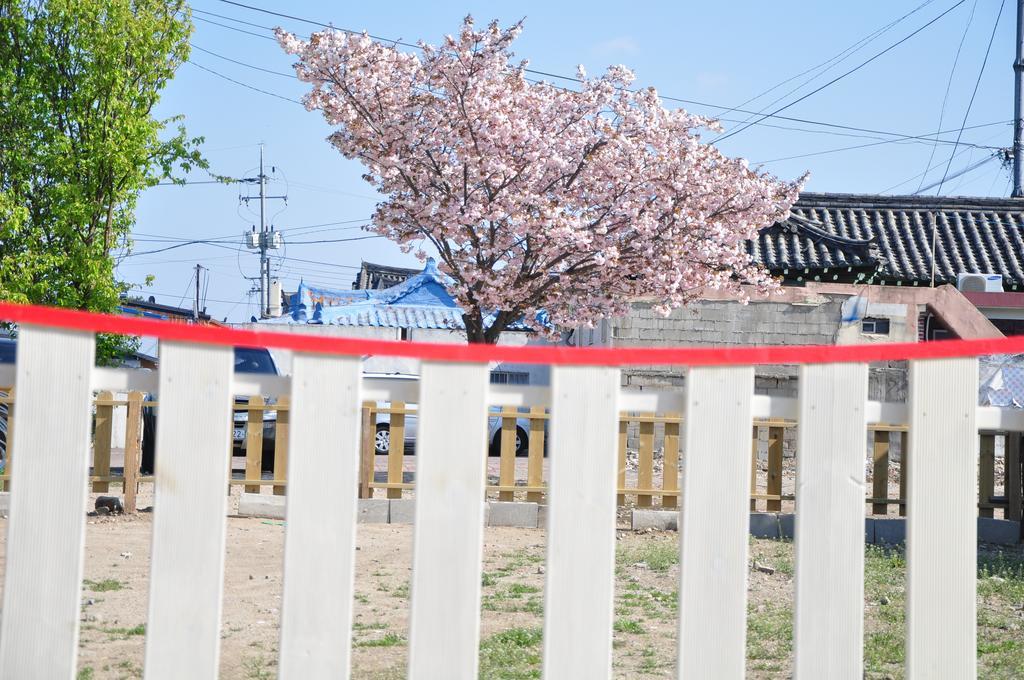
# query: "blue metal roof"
[[422, 301]]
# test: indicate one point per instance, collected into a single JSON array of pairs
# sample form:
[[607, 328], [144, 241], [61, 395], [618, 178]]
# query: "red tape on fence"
[[68, 319]]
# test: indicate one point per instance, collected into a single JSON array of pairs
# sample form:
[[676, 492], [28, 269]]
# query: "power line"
[[334, 240], [840, 77], [290, 76], [574, 79], [246, 85], [958, 173], [884, 141], [977, 82], [949, 83], [833, 61]]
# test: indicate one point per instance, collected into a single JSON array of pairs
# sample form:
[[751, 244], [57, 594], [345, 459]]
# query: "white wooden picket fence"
[[55, 379]]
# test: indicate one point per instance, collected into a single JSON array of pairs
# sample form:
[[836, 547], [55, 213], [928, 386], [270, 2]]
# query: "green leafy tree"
[[78, 141]]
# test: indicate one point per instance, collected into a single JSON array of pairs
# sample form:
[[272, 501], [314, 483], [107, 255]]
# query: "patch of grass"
[[769, 632], [388, 640], [376, 625], [126, 632], [658, 556], [103, 586], [628, 626], [85, 673], [517, 589], [402, 591], [512, 654], [488, 579], [649, 660], [256, 668]]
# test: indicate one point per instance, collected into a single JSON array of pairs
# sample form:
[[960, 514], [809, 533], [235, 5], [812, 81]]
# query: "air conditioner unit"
[[980, 283]]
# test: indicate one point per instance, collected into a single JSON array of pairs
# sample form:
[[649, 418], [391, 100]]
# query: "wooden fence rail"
[[327, 407], [657, 445]]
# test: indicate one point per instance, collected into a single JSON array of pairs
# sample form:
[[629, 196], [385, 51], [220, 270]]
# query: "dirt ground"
[[115, 593]]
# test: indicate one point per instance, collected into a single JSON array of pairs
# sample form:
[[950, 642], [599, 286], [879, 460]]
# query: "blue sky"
[[721, 54]]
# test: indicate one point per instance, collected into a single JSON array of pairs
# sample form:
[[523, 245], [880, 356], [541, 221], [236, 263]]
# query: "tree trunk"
[[475, 331]]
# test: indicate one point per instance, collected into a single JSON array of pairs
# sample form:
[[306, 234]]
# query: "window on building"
[[874, 326], [404, 334], [510, 378]]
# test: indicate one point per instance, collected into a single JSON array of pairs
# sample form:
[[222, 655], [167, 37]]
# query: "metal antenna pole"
[[1018, 107]]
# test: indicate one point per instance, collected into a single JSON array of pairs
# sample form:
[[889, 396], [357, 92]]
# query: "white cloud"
[[622, 44]]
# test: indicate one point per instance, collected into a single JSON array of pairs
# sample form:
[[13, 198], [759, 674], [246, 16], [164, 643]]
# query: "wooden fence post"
[[986, 474], [101, 440], [396, 447], [774, 468], [880, 472], [645, 460], [535, 462], [281, 444], [904, 470], [132, 450], [254, 444], [507, 468], [755, 432], [367, 454], [670, 467], [1013, 474], [621, 477]]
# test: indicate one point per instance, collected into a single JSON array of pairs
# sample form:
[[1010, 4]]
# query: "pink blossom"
[[536, 197]]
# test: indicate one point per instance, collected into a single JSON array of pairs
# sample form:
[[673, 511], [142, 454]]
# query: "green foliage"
[[78, 141]]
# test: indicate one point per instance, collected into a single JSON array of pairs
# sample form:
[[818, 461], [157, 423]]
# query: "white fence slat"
[[942, 519], [193, 432], [829, 621], [714, 523], [319, 547], [451, 459], [46, 531], [580, 585]]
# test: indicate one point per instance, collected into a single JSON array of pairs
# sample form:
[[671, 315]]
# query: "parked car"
[[382, 437], [247, 360]]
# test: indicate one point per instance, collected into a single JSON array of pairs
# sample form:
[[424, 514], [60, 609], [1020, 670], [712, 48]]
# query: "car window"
[[253, 361], [8, 350]]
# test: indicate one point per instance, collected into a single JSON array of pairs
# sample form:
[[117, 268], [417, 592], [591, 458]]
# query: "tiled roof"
[[888, 238], [421, 301]]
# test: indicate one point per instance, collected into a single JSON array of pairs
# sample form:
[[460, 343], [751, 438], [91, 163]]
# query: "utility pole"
[[195, 309], [267, 238], [1018, 107]]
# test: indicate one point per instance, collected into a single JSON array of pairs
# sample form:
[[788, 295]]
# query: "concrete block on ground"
[[373, 510], [261, 505], [402, 510], [5, 503], [999, 531], [890, 531], [869, 529], [503, 514], [787, 525], [764, 525], [661, 520], [542, 517]]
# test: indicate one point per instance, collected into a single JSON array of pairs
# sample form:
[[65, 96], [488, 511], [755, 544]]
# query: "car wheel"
[[382, 440], [522, 443]]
